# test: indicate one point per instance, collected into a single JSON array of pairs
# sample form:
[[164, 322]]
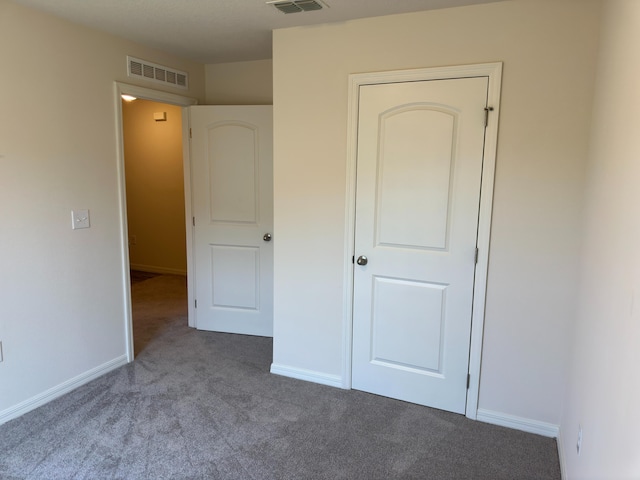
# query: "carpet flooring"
[[203, 405], [138, 276]]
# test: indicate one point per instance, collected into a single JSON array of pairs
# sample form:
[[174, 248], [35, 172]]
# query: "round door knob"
[[267, 237], [362, 260]]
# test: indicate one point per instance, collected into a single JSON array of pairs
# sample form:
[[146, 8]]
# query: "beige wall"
[[155, 187], [603, 394], [549, 53], [239, 83], [62, 291]]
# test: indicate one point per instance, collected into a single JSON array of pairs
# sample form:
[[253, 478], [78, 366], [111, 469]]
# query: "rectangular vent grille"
[[297, 6], [157, 73]]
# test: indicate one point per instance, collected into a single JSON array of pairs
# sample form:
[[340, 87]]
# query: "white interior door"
[[232, 205], [419, 167]]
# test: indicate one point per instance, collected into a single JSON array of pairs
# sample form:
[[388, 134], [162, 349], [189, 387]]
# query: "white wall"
[[61, 291], [603, 394], [549, 52], [239, 83]]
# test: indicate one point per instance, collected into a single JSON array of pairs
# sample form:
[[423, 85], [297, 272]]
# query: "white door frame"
[[163, 97], [494, 72]]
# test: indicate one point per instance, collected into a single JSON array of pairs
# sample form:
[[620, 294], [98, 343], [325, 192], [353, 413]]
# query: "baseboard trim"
[[518, 423], [307, 375], [561, 455], [59, 390], [156, 269]]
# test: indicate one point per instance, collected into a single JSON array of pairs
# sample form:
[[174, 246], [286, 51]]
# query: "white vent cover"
[[157, 73], [296, 6]]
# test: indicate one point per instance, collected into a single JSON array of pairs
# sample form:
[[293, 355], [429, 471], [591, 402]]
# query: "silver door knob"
[[362, 260], [267, 237]]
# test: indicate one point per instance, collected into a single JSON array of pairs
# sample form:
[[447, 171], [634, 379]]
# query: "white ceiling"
[[217, 31]]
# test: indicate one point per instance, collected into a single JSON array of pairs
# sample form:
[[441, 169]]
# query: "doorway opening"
[[154, 186], [152, 135]]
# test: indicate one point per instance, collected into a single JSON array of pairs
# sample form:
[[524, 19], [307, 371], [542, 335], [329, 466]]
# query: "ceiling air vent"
[[156, 73], [298, 6]]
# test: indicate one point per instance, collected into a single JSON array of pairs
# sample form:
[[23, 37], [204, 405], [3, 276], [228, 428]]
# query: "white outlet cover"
[[80, 219]]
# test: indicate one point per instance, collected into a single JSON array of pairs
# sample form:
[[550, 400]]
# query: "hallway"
[[156, 300]]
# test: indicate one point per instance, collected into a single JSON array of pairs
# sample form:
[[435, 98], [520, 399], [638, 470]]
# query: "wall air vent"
[[157, 73], [298, 6]]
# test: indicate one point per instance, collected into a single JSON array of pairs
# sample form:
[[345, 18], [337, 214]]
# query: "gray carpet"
[[200, 405]]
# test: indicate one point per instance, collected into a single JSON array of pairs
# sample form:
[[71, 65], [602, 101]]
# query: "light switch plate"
[[80, 219]]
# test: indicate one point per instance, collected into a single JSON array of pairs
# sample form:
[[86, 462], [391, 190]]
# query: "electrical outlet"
[[579, 443]]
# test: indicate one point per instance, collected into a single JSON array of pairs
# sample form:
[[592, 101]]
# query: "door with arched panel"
[[419, 169], [232, 205]]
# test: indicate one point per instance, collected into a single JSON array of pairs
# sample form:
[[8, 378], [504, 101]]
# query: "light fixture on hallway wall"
[[128, 98]]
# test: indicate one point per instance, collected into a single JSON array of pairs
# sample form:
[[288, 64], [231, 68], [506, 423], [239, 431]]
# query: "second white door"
[[419, 168], [232, 205]]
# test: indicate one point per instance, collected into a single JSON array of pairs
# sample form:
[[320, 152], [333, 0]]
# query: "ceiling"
[[217, 31]]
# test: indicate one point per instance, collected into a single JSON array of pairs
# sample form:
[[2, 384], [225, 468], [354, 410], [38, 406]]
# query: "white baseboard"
[[307, 375], [561, 455], [518, 423], [59, 390], [156, 269]]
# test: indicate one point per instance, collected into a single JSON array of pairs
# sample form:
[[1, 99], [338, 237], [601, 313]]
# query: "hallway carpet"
[[203, 405]]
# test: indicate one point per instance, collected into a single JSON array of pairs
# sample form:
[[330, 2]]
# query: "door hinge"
[[353, 259], [486, 115], [190, 134], [468, 380], [476, 256], [193, 221], [195, 302]]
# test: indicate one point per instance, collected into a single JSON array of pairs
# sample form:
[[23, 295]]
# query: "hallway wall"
[[240, 83]]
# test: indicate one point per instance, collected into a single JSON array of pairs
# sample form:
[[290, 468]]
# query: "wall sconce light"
[[128, 98], [160, 116]]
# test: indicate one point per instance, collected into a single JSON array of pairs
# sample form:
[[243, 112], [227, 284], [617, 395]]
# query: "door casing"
[[163, 97], [494, 73]]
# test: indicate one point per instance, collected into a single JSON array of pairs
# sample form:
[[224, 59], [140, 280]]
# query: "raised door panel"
[[409, 338], [232, 159], [236, 277], [415, 160]]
